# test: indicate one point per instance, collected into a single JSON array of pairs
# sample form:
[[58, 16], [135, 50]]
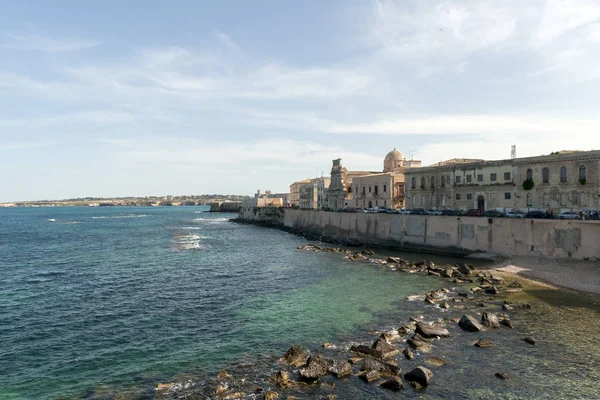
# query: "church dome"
[[393, 160]]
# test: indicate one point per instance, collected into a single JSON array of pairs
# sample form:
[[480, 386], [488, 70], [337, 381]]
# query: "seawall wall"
[[440, 234]]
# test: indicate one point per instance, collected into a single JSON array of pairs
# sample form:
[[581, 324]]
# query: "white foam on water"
[[51, 219], [121, 216], [189, 241], [211, 220]]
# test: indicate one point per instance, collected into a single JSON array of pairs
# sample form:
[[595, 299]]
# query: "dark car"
[[494, 214], [536, 214], [453, 213], [473, 212], [418, 211]]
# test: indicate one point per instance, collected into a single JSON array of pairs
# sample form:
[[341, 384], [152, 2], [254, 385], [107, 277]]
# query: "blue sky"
[[147, 98]]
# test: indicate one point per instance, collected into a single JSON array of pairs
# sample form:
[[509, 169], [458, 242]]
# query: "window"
[[422, 199], [376, 190], [414, 182], [468, 178], [493, 177], [457, 179], [376, 203], [507, 176], [582, 173], [506, 196], [563, 174], [432, 181], [443, 183], [457, 196], [469, 196], [369, 189], [545, 175], [385, 203], [480, 178], [422, 182], [529, 174], [384, 188], [529, 201], [363, 190]]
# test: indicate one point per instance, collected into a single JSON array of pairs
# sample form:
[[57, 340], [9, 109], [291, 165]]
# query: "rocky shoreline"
[[402, 358]]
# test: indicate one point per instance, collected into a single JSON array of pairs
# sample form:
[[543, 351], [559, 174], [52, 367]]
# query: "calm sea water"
[[105, 299]]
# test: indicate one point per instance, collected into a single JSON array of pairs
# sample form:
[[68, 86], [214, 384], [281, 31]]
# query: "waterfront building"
[[337, 187], [294, 197], [313, 195], [562, 181]]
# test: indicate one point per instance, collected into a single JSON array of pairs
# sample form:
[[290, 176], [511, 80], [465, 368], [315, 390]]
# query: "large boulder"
[[370, 376], [408, 354], [340, 368], [295, 356], [469, 323], [371, 364], [420, 375], [432, 331], [394, 384], [315, 368], [464, 269], [385, 349]]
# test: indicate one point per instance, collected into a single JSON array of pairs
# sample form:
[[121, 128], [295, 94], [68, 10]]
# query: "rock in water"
[[493, 290], [484, 343], [421, 375], [340, 368], [384, 349], [371, 364], [469, 323], [394, 384], [315, 368], [436, 361], [271, 395], [390, 336], [282, 379], [295, 356], [501, 375], [432, 331], [418, 343], [371, 376], [529, 340], [408, 354], [490, 320]]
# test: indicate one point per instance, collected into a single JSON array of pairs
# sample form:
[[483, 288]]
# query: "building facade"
[[563, 181], [313, 195], [294, 196], [337, 188], [383, 190]]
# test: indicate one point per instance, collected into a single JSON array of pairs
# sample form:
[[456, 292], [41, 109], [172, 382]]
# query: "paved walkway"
[[571, 274]]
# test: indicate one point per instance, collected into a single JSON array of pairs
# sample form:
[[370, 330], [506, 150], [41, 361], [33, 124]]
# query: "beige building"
[[562, 181], [367, 189], [294, 196], [313, 195]]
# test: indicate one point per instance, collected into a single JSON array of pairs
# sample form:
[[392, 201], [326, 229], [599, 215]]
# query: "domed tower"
[[393, 162]]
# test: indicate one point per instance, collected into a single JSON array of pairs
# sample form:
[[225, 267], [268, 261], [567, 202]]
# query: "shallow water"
[[111, 300]]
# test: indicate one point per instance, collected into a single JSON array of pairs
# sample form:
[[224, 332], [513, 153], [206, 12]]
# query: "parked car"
[[494, 214], [536, 214], [418, 211], [406, 212], [473, 212], [454, 213], [433, 211], [569, 215], [515, 214]]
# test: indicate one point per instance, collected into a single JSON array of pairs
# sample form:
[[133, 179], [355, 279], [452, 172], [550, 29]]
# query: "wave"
[[122, 216], [189, 242], [52, 219], [211, 220]]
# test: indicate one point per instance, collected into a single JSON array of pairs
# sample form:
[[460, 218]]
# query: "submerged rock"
[[469, 323], [408, 354], [269, 395], [394, 384], [436, 361], [417, 342], [501, 375], [484, 343], [432, 331], [282, 379], [295, 356], [421, 375], [529, 340]]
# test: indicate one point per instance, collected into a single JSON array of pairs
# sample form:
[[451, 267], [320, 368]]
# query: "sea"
[[101, 302]]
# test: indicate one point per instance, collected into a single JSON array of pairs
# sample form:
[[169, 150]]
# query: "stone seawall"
[[451, 235]]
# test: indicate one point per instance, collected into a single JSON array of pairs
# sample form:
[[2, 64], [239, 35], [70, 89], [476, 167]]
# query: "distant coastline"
[[140, 201]]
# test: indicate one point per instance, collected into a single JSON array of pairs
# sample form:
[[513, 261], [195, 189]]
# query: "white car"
[[515, 214], [569, 215]]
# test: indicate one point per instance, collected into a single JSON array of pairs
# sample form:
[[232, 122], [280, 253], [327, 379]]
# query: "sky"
[[134, 98]]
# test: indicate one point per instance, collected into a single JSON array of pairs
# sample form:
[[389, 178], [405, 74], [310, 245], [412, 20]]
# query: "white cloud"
[[47, 44]]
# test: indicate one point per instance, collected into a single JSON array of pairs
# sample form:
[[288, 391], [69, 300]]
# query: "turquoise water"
[[114, 297], [107, 302]]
